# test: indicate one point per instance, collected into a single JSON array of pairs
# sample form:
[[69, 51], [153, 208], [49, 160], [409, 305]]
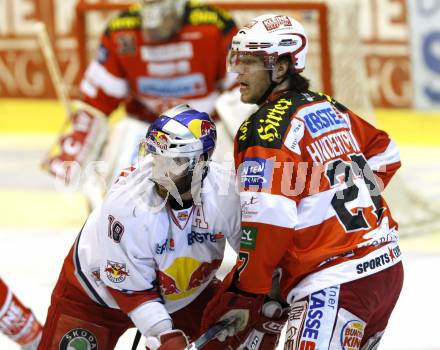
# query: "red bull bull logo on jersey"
[[115, 271], [184, 276]]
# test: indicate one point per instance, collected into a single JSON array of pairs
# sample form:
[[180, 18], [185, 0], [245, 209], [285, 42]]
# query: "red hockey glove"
[[231, 302], [265, 333], [81, 145], [170, 340]]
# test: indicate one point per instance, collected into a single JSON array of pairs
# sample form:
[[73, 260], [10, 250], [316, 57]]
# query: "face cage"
[[168, 165], [240, 62], [154, 13], [177, 176]]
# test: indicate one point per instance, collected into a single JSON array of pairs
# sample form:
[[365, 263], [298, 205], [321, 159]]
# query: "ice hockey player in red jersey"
[[311, 173], [147, 257], [155, 55], [17, 321]]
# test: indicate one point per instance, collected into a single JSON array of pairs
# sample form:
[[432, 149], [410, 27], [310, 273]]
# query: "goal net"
[[335, 65]]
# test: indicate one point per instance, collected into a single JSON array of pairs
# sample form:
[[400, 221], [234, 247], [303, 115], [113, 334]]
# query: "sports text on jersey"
[[379, 261]]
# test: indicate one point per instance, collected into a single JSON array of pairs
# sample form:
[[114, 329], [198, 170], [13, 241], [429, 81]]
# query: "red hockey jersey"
[[311, 172], [154, 76]]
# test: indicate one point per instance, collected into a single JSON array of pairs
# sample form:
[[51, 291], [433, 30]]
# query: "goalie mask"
[[181, 142], [161, 18], [269, 37]]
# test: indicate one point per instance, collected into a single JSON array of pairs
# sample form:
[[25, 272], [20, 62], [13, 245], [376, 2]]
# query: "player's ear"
[[281, 69]]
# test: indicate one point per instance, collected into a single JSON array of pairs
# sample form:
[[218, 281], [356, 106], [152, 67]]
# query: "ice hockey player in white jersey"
[[147, 257]]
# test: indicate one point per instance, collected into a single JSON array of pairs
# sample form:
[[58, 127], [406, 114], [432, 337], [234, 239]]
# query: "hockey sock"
[[17, 321]]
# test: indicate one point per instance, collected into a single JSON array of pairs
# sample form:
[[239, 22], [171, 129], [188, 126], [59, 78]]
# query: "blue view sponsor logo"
[[324, 120], [189, 85], [256, 172]]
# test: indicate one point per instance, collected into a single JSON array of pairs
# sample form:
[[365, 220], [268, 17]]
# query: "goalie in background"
[[312, 173], [152, 57], [147, 257], [17, 321]]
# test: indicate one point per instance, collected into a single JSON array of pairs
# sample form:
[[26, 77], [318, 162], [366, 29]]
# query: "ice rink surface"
[[38, 225]]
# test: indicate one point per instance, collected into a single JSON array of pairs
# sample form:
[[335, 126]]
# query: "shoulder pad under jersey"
[[199, 14], [129, 19]]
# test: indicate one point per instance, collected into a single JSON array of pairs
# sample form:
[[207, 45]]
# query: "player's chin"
[[246, 97]]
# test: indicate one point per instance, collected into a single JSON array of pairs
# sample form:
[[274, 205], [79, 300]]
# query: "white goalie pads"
[[119, 153], [122, 147], [80, 142], [98, 131]]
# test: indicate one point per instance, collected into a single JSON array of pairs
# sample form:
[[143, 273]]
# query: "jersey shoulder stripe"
[[200, 14], [268, 125], [129, 19]]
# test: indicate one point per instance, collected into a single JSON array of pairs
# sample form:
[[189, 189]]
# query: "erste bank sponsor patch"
[[256, 172], [321, 118]]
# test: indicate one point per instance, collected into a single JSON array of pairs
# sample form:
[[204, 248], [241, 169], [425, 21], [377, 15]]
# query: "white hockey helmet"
[[181, 141], [269, 36], [181, 132], [154, 12]]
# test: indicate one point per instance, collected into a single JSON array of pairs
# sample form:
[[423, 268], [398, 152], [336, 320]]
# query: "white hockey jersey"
[[144, 250]]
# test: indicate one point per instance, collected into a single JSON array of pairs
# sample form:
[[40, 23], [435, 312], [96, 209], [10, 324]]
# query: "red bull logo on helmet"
[[158, 139], [200, 127], [184, 276], [115, 271]]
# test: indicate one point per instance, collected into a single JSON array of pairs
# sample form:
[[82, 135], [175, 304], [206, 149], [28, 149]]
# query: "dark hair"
[[296, 81]]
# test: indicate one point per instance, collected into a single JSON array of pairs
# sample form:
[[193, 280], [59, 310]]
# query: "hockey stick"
[[206, 337], [53, 67], [211, 333], [136, 340], [56, 78]]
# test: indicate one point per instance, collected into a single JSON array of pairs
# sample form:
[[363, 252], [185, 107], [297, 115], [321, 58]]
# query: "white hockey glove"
[[174, 339]]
